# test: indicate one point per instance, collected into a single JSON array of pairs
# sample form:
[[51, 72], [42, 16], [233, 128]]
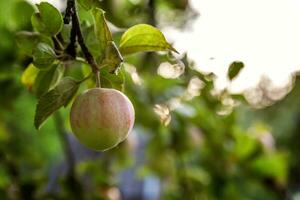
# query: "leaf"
[[270, 165], [48, 20], [47, 79], [113, 57], [109, 80], [103, 34], [88, 4], [26, 41], [141, 38], [91, 41], [43, 56], [55, 99], [21, 17], [234, 69], [29, 75], [198, 174]]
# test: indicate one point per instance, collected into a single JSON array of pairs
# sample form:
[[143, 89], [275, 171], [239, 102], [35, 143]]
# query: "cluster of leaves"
[[53, 50], [198, 143]]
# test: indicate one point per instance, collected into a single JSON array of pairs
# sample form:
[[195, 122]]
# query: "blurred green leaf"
[[43, 56], [26, 41], [245, 145], [198, 174], [234, 69], [21, 13], [48, 20], [271, 165], [55, 99], [141, 38]]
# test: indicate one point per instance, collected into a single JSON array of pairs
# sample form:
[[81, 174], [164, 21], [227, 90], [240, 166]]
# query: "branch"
[[76, 31], [89, 57], [69, 11], [152, 10], [71, 48]]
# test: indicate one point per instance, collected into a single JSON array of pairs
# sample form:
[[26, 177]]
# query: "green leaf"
[[198, 174], [55, 99], [103, 34], [141, 38], [113, 57], [109, 80], [47, 79], [43, 56], [21, 13], [234, 69], [91, 41], [88, 4], [244, 146], [26, 41], [271, 165], [48, 20]]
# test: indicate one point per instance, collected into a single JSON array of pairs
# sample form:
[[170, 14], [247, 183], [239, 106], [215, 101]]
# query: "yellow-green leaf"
[[113, 57], [141, 38], [103, 34], [29, 75]]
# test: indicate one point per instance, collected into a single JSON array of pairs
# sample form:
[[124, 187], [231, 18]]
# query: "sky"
[[264, 34]]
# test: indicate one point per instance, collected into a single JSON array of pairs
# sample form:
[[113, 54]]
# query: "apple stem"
[[98, 82]]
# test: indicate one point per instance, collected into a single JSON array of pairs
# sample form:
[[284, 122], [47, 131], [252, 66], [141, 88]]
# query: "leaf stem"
[[85, 78], [98, 82], [57, 43]]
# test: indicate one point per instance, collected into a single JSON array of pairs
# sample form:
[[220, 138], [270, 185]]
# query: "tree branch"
[[71, 48], [72, 12], [69, 11]]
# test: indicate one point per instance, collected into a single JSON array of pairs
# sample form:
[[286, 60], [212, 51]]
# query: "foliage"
[[197, 142]]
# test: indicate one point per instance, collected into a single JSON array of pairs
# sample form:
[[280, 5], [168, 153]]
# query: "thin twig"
[[89, 57], [69, 11], [86, 52], [71, 48], [57, 43], [76, 31]]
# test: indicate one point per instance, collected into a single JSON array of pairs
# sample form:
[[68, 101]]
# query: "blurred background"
[[198, 135]]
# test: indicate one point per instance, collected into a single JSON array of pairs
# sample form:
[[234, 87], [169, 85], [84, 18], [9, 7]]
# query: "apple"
[[101, 118]]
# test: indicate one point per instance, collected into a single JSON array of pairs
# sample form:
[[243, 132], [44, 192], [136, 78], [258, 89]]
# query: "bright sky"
[[264, 34]]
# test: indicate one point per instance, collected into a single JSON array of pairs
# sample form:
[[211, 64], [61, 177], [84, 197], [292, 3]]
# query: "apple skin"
[[101, 118]]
